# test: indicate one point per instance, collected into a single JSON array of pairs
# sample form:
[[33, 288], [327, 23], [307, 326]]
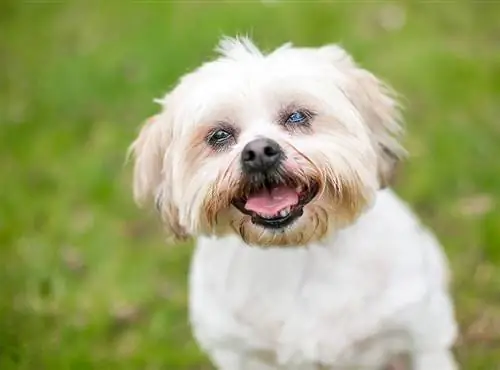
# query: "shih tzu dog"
[[278, 163]]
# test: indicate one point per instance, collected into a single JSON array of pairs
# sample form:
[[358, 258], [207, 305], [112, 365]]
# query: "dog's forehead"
[[229, 75], [225, 89]]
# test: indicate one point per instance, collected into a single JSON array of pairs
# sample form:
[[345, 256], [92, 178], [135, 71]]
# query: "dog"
[[280, 165]]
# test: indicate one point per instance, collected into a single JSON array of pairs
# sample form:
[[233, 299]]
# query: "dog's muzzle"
[[272, 197]]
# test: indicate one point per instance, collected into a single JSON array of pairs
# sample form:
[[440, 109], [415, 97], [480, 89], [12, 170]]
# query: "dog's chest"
[[279, 300], [247, 297]]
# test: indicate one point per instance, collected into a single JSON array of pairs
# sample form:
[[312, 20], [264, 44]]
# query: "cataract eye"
[[297, 117]]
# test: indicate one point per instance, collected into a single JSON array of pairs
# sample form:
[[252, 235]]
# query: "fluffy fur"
[[354, 282]]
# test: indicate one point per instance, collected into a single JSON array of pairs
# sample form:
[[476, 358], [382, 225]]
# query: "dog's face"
[[280, 149]]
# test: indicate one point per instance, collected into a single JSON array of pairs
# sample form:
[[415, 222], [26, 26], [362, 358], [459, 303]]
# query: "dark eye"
[[219, 138], [297, 117]]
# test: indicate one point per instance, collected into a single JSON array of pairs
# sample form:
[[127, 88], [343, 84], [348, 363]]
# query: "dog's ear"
[[148, 150], [378, 106], [152, 178]]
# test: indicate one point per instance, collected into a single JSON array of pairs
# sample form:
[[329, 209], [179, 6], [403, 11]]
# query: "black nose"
[[261, 155]]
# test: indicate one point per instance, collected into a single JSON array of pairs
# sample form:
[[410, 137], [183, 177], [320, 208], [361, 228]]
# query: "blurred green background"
[[87, 281]]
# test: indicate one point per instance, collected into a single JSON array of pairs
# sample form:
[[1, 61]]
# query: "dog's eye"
[[297, 117], [219, 138]]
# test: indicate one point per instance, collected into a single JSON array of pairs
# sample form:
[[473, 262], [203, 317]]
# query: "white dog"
[[277, 163]]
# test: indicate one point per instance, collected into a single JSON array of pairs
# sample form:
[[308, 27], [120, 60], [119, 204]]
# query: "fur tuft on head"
[[238, 48]]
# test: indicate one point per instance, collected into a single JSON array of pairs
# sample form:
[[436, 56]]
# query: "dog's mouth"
[[276, 206]]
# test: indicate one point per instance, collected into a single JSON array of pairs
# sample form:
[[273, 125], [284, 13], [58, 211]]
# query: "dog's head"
[[280, 149]]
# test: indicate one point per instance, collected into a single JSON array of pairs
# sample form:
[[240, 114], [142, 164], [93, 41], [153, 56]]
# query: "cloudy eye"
[[298, 117], [296, 120], [220, 138]]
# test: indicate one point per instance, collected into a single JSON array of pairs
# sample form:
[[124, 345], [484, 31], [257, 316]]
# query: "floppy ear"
[[379, 108], [152, 176], [148, 150]]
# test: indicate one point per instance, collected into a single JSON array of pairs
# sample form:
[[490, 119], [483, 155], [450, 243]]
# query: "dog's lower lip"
[[278, 222]]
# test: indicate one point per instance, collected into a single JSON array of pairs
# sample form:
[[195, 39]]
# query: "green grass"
[[87, 279]]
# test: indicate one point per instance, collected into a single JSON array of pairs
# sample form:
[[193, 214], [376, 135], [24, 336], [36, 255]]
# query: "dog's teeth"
[[284, 212]]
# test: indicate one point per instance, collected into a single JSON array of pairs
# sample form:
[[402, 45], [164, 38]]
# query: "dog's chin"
[[308, 226]]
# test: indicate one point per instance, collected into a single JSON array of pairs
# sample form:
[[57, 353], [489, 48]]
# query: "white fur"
[[354, 282], [374, 290]]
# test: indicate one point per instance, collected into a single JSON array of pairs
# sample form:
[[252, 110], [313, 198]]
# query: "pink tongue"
[[271, 202]]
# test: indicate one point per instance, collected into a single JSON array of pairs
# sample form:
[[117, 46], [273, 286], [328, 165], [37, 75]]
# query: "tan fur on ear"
[[151, 179], [379, 107], [148, 150]]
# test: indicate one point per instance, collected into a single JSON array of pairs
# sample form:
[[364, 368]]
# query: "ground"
[[88, 281]]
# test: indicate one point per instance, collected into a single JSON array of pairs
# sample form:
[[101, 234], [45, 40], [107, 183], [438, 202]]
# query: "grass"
[[87, 280]]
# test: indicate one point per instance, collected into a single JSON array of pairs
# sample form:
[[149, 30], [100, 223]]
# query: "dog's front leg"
[[439, 360]]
